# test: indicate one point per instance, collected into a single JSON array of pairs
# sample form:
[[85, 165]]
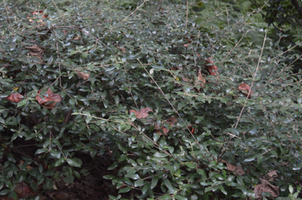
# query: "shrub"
[[192, 103]]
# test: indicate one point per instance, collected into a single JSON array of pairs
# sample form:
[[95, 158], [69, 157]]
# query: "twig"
[[254, 77], [187, 13], [159, 88]]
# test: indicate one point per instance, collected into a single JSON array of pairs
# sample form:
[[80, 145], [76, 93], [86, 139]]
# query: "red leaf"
[[143, 113], [245, 89], [192, 130], [47, 97], [15, 97]]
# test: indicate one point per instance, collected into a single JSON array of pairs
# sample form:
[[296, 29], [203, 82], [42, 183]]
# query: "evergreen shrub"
[[192, 101]]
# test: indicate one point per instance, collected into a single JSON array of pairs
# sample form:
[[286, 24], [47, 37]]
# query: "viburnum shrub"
[[193, 101]]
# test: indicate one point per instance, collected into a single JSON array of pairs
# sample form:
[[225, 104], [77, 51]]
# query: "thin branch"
[[254, 77], [159, 88], [187, 13]]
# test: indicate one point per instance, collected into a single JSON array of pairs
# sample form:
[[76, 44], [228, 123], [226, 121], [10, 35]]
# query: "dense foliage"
[[192, 101]]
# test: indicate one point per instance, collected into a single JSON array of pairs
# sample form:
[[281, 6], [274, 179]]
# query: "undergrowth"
[[193, 101]]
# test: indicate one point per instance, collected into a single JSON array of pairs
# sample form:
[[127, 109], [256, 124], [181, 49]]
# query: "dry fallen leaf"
[[212, 69], [27, 167], [272, 174], [201, 79], [185, 79], [83, 75], [36, 51], [47, 97], [237, 169], [175, 68], [37, 14], [265, 186], [23, 190], [171, 121], [15, 97], [143, 113], [245, 89]]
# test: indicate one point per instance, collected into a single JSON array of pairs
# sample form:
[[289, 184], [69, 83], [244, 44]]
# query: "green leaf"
[[154, 181], [191, 165], [39, 151], [109, 177], [291, 189], [10, 157], [22, 103], [77, 174], [68, 179], [4, 192], [59, 162], [56, 154], [168, 185], [159, 68], [223, 190], [74, 162], [156, 136], [145, 188], [160, 155], [132, 175], [165, 197], [139, 183], [113, 166], [249, 159], [178, 197], [124, 190]]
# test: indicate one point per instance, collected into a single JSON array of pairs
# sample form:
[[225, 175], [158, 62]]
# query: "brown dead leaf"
[[28, 167], [171, 121], [265, 186], [245, 89], [192, 130], [210, 60], [212, 69], [61, 195], [272, 174], [15, 97], [83, 75], [230, 167], [162, 130], [23, 190], [175, 68], [37, 15], [201, 79], [143, 113], [237, 169], [77, 38], [36, 51], [185, 79], [47, 97], [122, 49]]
